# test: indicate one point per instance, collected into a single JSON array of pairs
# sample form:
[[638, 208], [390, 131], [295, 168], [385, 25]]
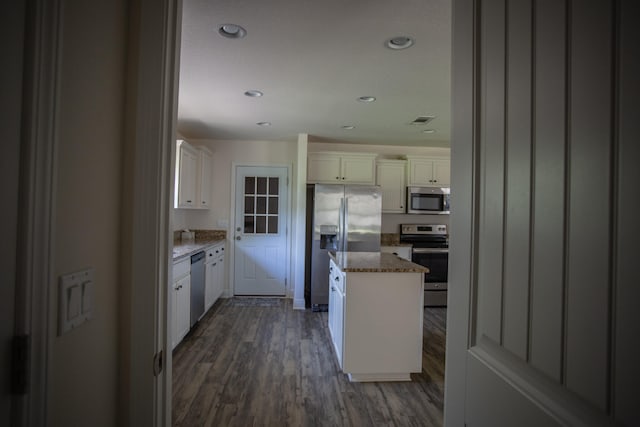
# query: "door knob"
[[238, 238]]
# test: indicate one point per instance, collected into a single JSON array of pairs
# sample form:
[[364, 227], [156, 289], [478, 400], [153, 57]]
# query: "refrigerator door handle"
[[339, 245], [345, 233]]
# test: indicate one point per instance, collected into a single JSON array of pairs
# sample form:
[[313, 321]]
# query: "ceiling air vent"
[[423, 120]]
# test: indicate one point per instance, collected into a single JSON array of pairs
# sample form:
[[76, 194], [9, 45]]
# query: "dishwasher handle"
[[197, 257]]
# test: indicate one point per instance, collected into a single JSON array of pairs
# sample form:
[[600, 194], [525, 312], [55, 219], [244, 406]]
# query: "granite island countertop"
[[374, 262]]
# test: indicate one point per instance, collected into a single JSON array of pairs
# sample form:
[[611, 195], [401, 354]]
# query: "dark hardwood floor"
[[253, 363]]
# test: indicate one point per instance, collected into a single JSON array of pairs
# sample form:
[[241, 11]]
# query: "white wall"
[[391, 222], [83, 367]]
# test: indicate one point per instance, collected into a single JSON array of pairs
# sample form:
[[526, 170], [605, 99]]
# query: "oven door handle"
[[430, 250]]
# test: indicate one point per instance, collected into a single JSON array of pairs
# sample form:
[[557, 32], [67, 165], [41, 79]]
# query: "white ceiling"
[[313, 59]]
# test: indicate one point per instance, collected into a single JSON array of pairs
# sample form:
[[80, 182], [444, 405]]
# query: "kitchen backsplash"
[[202, 235], [389, 239]]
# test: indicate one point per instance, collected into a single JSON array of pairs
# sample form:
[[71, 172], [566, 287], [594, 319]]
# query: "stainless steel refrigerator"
[[345, 218]]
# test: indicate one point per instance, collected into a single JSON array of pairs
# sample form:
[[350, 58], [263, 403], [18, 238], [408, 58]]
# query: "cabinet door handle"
[[337, 278], [213, 265], [188, 201], [333, 289], [337, 177], [343, 177]]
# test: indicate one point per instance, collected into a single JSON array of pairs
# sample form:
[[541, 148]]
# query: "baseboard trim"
[[298, 304]]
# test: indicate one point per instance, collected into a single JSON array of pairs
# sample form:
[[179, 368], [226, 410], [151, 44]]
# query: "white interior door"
[[543, 322], [261, 218]]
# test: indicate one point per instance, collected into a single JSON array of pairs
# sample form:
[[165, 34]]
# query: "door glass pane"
[[261, 224], [273, 205], [262, 185], [273, 225], [249, 185], [261, 205], [273, 186], [248, 224], [248, 205]]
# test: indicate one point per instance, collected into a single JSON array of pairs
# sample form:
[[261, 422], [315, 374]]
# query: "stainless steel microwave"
[[428, 200]]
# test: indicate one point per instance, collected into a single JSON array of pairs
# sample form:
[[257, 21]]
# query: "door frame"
[[464, 86], [34, 255], [232, 213]]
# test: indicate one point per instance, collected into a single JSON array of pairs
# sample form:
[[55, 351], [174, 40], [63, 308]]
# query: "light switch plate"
[[75, 299]]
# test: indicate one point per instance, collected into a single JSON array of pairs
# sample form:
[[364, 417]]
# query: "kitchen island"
[[375, 315]]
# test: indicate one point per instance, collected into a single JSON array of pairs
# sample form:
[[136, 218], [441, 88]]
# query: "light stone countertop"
[[374, 262], [182, 250]]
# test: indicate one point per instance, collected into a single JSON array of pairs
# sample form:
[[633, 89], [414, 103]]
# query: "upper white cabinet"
[[193, 177], [205, 162], [186, 174], [429, 171], [391, 177], [338, 167]]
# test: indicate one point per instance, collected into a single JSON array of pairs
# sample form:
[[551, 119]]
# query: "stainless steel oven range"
[[430, 249]]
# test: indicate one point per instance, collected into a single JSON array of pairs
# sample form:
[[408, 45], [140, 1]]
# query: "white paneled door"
[[260, 233], [543, 319]]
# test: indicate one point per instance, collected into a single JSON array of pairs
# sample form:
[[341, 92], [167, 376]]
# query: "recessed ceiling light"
[[429, 131], [348, 127], [232, 31], [253, 93], [264, 123], [367, 98], [400, 42]]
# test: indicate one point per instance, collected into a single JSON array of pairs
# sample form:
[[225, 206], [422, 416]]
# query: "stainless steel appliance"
[[345, 218], [197, 287], [430, 249], [428, 200]]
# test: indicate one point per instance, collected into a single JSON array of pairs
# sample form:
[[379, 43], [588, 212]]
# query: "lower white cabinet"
[[375, 322], [180, 301], [214, 275], [336, 309]]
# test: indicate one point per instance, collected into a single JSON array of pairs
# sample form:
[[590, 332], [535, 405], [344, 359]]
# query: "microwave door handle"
[[430, 250]]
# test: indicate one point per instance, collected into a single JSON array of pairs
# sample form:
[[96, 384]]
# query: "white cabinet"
[[336, 309], [337, 167], [214, 275], [391, 177], [370, 308], [186, 175], [193, 177], [401, 251], [429, 172], [205, 162], [180, 301]]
